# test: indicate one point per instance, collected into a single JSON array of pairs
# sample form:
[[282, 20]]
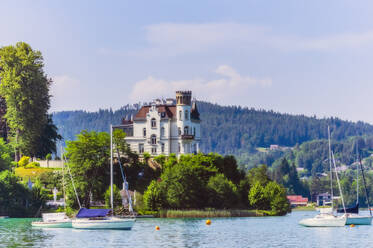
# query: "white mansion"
[[164, 127]]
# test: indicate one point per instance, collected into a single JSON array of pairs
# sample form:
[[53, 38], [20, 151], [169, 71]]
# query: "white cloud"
[[176, 38], [229, 84]]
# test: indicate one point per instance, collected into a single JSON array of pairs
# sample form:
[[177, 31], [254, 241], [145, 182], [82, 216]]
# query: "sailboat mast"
[[63, 179], [357, 174], [111, 170], [330, 167]]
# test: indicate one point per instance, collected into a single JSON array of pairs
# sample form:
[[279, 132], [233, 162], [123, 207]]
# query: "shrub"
[[24, 161], [32, 165], [48, 157], [117, 197]]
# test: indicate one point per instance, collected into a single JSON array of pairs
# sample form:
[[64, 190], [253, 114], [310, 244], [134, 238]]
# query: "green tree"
[[153, 197], [5, 155], [222, 192], [89, 157], [117, 197], [25, 88], [257, 197], [276, 196]]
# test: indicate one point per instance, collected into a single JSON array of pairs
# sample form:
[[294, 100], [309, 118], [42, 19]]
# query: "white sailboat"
[[104, 218], [327, 218]]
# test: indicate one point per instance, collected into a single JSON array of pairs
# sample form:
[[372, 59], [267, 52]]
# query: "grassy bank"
[[209, 213], [304, 208]]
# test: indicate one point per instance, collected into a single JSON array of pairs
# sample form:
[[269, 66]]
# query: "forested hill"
[[227, 129]]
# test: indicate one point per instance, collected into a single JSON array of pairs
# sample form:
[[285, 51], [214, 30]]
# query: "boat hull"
[[324, 222], [117, 223], [61, 224], [359, 220]]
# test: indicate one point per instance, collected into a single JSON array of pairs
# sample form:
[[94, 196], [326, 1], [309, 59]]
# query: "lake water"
[[223, 232]]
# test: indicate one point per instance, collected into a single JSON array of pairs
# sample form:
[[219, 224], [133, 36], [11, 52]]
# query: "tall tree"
[[25, 88]]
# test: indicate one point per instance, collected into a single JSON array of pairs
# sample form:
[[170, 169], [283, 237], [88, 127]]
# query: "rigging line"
[[339, 184], [125, 183], [365, 187], [72, 180]]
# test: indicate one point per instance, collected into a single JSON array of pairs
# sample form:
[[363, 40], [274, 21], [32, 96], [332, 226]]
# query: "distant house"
[[274, 147], [323, 199], [297, 200]]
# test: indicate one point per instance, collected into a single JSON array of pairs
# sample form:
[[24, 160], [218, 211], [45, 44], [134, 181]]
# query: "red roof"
[[170, 111], [297, 198]]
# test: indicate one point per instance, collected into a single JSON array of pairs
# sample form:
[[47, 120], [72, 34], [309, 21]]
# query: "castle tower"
[[184, 125]]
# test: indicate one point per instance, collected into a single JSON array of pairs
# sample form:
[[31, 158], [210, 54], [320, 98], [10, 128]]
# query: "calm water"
[[223, 232]]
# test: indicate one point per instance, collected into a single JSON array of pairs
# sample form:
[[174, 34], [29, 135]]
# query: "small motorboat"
[[53, 220], [324, 220], [101, 219], [4, 217]]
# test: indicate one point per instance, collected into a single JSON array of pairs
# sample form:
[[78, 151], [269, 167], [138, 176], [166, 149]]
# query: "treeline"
[[312, 156], [227, 129]]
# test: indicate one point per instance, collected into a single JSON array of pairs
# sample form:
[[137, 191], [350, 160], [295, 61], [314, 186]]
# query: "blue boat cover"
[[352, 210], [92, 213]]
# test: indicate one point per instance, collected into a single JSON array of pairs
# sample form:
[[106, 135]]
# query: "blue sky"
[[303, 57]]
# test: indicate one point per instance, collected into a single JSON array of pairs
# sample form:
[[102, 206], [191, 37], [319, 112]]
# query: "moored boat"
[[358, 219], [324, 220], [326, 217], [4, 217], [53, 220]]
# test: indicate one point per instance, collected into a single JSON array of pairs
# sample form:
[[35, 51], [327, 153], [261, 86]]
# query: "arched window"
[[186, 115], [186, 130], [162, 148], [179, 131], [154, 139], [180, 115], [194, 131], [154, 122], [162, 132], [144, 132]]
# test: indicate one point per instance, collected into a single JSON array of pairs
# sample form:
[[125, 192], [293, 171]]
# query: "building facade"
[[165, 127]]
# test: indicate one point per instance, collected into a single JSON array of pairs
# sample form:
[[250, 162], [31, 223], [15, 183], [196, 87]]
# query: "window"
[[179, 131], [144, 132], [141, 148], [154, 150], [162, 132], [180, 115], [154, 123], [162, 148], [154, 139], [194, 131], [186, 130], [186, 115], [179, 148]]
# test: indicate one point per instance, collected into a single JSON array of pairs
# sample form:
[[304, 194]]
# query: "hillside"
[[227, 129]]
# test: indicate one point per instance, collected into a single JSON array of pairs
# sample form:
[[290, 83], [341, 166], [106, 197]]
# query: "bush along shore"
[[209, 213]]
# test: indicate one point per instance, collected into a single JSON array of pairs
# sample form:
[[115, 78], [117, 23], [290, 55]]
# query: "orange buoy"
[[208, 222], [352, 225], [157, 228]]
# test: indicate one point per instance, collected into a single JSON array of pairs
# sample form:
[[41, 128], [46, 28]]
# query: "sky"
[[292, 56]]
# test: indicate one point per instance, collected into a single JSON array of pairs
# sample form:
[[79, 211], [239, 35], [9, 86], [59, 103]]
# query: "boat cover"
[[353, 210], [92, 213]]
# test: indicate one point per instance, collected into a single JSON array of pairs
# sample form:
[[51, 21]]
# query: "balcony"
[[187, 136]]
